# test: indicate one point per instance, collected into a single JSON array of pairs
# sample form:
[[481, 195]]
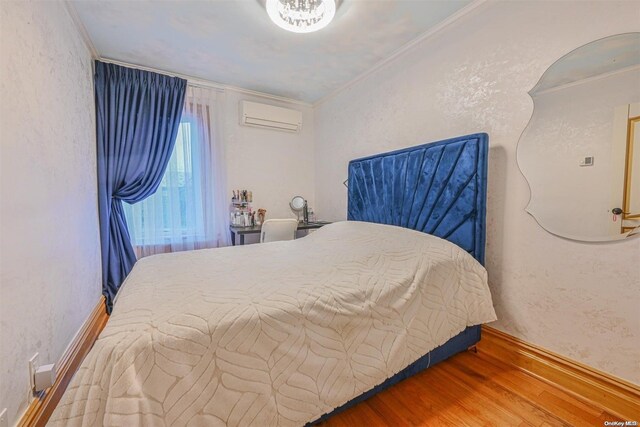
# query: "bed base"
[[466, 339], [439, 189]]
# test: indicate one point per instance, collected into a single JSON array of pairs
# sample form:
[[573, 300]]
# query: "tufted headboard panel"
[[438, 188]]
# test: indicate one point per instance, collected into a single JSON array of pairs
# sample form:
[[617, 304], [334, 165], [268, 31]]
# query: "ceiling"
[[600, 57], [233, 42]]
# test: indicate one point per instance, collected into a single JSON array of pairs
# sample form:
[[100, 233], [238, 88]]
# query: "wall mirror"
[[580, 152]]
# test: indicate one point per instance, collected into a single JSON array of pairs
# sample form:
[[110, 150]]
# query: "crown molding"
[[73, 13], [77, 22], [194, 81], [471, 7]]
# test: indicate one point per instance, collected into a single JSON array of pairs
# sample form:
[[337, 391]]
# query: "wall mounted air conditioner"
[[270, 117]]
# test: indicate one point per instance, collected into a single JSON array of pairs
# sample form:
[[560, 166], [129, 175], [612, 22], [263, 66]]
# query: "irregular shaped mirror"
[[580, 152]]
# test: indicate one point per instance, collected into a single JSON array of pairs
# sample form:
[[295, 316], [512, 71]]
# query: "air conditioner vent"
[[270, 117]]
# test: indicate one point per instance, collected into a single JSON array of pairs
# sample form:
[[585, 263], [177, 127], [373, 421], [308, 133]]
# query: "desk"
[[241, 231]]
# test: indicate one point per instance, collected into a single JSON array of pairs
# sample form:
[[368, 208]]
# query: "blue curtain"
[[137, 119]]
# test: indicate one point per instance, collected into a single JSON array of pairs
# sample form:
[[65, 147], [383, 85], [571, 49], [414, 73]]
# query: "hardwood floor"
[[472, 389]]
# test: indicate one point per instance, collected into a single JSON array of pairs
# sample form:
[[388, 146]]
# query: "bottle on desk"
[[305, 212], [241, 214]]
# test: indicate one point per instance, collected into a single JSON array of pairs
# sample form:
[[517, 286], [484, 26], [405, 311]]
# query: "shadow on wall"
[[496, 205]]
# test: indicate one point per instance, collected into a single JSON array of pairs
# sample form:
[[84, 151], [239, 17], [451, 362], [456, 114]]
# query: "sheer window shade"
[[188, 211]]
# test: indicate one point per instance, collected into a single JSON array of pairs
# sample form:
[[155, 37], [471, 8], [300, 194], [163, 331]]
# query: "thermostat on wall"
[[587, 161]]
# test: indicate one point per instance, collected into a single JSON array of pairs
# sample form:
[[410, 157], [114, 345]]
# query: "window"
[[172, 212], [188, 209]]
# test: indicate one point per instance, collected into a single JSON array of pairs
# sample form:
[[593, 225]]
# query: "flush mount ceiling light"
[[301, 16]]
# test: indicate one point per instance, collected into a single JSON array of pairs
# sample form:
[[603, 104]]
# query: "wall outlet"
[[45, 377], [33, 364], [4, 421]]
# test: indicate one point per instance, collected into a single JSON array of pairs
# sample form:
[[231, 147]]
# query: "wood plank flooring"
[[472, 389]]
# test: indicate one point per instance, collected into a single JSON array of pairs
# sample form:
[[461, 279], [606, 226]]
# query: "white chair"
[[274, 230]]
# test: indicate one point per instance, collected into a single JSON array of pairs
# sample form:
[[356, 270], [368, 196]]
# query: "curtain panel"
[[189, 210], [137, 118]]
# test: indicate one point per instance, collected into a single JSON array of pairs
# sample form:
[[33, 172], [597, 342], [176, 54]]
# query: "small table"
[[241, 231]]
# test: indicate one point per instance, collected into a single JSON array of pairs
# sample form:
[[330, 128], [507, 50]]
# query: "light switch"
[[587, 161]]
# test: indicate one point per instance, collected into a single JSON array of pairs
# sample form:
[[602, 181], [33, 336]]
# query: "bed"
[[287, 333]]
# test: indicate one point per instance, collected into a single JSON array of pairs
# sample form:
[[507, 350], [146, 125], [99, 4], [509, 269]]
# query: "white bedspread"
[[273, 334]]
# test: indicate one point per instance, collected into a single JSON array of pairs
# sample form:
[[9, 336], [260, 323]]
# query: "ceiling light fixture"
[[301, 16]]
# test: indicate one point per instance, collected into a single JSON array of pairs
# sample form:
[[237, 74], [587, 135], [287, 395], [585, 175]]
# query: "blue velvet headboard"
[[438, 188]]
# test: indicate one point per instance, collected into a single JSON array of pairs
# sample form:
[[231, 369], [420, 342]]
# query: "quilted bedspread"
[[273, 334]]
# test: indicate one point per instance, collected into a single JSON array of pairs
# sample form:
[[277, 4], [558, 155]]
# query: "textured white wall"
[[574, 298], [274, 165], [49, 261]]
